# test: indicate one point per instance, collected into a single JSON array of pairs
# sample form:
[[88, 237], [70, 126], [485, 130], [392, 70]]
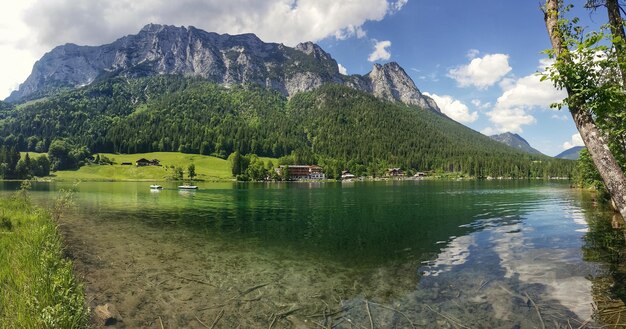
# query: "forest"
[[334, 126]]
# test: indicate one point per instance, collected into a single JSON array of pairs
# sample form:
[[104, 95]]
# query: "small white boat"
[[187, 187], [156, 187]]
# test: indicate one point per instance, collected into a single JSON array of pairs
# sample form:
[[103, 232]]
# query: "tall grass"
[[37, 284]]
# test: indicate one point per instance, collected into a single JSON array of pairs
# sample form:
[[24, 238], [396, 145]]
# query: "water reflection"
[[429, 254], [605, 245]]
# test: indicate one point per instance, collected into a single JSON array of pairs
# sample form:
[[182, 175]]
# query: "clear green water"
[[388, 254]]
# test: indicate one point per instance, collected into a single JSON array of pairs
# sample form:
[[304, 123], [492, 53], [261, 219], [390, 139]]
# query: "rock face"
[[390, 82], [223, 59], [515, 141]]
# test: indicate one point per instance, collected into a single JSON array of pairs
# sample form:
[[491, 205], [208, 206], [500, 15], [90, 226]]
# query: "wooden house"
[[395, 172], [142, 162], [145, 162], [300, 172]]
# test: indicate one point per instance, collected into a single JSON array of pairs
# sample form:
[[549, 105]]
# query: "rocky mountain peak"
[[220, 58], [390, 81], [515, 141], [313, 49], [387, 67], [151, 28]]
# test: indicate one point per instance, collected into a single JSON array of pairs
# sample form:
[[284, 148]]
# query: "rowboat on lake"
[[156, 187], [187, 187]]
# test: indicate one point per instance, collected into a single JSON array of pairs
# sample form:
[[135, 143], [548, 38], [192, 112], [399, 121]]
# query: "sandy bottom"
[[173, 278]]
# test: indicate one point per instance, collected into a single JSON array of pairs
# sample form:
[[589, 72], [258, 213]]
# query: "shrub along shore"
[[38, 288]]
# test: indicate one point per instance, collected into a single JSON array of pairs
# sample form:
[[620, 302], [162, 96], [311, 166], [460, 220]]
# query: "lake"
[[399, 254]]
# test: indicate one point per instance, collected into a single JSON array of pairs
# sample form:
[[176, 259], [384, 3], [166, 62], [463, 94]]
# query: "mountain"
[[219, 58], [186, 90], [516, 141], [335, 126], [4, 106], [570, 154]]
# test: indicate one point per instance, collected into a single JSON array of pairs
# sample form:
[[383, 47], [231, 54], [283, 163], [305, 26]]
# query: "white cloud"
[[545, 63], [342, 69], [29, 28], [507, 83], [285, 21], [472, 53], [479, 104], [481, 72], [16, 61], [489, 131], [380, 51], [453, 108], [509, 119], [561, 117], [350, 31], [576, 140], [519, 97], [529, 92], [397, 6]]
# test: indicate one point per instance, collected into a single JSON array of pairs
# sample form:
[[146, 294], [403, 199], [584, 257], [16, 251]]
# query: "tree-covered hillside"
[[335, 126]]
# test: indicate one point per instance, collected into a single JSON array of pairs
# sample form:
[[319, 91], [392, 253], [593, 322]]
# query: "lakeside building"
[[395, 172], [300, 172], [145, 162], [347, 175]]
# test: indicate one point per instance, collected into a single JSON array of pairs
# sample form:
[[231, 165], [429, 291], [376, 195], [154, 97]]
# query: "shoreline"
[[362, 179], [39, 285]]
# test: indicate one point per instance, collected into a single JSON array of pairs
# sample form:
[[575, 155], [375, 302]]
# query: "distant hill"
[[570, 154], [515, 141]]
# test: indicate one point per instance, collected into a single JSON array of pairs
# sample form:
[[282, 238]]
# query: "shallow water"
[[373, 254]]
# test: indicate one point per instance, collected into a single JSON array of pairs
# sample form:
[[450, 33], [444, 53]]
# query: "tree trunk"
[[616, 23], [617, 30], [595, 141]]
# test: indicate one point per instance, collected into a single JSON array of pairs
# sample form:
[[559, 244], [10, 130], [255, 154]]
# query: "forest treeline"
[[334, 126]]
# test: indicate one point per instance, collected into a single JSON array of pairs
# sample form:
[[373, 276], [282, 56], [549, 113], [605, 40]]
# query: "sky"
[[479, 59]]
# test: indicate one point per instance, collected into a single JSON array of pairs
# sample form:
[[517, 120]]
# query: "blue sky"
[[431, 38], [477, 59]]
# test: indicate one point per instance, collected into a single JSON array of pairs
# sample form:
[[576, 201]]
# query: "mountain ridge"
[[571, 153], [516, 141], [334, 126], [220, 58]]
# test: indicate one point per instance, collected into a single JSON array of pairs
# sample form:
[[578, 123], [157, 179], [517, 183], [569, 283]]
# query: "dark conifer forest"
[[334, 126]]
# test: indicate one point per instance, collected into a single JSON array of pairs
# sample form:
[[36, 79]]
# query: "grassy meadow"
[[208, 168], [37, 285]]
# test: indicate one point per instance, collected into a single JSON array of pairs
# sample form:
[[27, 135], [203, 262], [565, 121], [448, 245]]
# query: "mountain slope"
[[515, 141], [570, 154], [333, 125], [222, 59]]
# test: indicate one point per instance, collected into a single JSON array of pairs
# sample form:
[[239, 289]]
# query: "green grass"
[[37, 285], [208, 168]]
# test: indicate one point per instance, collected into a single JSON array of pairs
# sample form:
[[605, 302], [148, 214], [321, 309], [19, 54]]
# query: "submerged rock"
[[106, 315]]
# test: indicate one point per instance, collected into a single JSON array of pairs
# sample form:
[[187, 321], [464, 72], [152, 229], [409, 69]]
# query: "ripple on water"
[[428, 253]]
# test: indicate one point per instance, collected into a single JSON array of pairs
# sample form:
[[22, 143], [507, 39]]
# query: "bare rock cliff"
[[220, 58]]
